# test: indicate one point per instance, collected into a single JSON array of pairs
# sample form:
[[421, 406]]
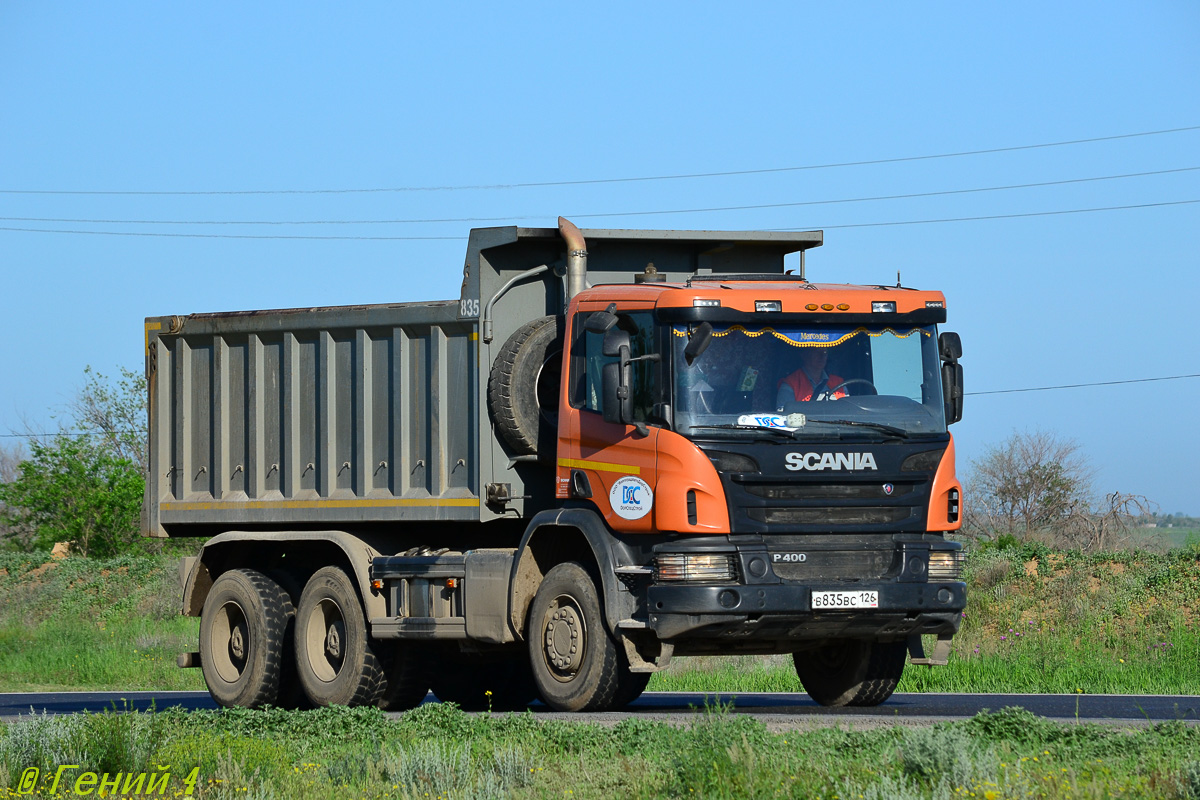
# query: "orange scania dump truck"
[[615, 448]]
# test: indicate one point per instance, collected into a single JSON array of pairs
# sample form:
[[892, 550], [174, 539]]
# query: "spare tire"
[[523, 387]]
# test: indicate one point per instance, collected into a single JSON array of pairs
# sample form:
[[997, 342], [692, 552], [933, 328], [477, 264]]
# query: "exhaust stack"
[[576, 257]]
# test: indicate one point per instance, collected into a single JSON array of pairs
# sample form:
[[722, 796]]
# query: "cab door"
[[613, 462]]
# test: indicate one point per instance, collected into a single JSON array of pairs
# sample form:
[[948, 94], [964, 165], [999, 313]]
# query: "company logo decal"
[[888, 488], [631, 498], [822, 461]]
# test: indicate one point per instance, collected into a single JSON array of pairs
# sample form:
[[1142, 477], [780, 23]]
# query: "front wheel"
[[851, 672], [334, 659], [577, 665]]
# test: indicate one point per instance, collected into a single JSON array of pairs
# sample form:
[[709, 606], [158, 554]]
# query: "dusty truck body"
[[612, 449]]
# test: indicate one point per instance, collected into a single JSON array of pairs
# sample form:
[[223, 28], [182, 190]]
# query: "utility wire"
[[1079, 385], [594, 181], [462, 238], [967, 394], [608, 214]]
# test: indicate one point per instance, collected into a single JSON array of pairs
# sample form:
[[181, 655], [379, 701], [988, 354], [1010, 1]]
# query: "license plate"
[[839, 600]]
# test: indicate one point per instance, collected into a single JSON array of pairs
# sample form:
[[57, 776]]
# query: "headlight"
[[945, 565], [708, 567]]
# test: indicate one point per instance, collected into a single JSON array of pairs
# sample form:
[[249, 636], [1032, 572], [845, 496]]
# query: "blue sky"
[[235, 97]]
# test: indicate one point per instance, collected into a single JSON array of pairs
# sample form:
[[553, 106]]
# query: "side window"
[[588, 360]]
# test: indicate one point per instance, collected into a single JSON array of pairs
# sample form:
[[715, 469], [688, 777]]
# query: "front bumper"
[[784, 611]]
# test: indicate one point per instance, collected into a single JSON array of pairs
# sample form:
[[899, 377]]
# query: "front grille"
[[831, 516], [818, 565], [827, 491]]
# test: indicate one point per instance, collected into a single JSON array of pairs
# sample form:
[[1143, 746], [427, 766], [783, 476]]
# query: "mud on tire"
[[523, 387]]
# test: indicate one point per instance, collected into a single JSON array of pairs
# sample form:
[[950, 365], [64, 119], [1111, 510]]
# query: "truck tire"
[[291, 693], [523, 387], [577, 665], [242, 630], [334, 658], [629, 688], [406, 673], [503, 683], [851, 672]]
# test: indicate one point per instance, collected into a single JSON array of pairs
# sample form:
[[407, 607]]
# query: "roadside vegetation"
[[437, 751]]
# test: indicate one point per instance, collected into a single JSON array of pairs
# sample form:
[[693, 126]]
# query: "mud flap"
[[941, 651]]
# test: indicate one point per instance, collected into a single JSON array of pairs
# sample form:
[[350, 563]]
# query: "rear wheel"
[[243, 627], [577, 665], [334, 658], [291, 693], [851, 672]]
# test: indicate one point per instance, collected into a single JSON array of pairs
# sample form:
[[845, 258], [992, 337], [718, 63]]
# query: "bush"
[[930, 753]]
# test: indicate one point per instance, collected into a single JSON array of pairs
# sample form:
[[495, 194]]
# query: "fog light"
[[945, 565], [709, 567]]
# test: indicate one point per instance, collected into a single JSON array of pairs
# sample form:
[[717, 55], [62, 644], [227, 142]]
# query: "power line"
[[462, 238], [967, 394], [593, 181], [607, 214], [1080, 385]]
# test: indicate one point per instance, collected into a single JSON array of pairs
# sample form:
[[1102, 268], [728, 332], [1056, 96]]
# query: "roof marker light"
[[811, 307], [706, 302], [768, 305], [883, 307], [827, 306], [843, 307]]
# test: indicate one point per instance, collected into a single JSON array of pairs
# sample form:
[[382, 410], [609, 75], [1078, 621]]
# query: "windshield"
[[810, 380]]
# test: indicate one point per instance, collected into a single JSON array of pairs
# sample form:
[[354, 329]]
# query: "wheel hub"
[[564, 640], [333, 642], [237, 643]]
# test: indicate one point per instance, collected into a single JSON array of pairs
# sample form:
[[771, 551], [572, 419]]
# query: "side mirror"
[[600, 322], [950, 347], [615, 340], [700, 340], [617, 404], [952, 391]]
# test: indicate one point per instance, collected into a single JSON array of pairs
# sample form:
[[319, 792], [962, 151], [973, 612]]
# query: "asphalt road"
[[777, 710]]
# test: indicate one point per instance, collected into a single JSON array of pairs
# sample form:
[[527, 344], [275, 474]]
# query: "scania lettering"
[[614, 448], [820, 461]]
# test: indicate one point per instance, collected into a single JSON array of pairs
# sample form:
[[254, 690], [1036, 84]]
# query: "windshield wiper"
[[778, 432], [879, 426]]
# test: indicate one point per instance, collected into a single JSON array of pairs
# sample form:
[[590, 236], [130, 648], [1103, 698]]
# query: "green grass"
[[440, 752], [87, 624]]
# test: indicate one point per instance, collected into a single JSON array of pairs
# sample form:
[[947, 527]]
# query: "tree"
[[114, 411], [83, 484], [1031, 482], [1037, 485], [76, 490]]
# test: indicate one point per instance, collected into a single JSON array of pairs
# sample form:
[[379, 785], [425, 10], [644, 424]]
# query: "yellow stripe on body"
[[600, 466], [217, 505]]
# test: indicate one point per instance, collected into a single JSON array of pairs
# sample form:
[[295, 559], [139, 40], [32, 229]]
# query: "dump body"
[[328, 417]]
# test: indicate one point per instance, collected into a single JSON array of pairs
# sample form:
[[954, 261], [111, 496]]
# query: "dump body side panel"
[[313, 417]]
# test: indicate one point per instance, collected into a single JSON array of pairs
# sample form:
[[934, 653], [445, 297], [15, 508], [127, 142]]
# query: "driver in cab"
[[811, 381]]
